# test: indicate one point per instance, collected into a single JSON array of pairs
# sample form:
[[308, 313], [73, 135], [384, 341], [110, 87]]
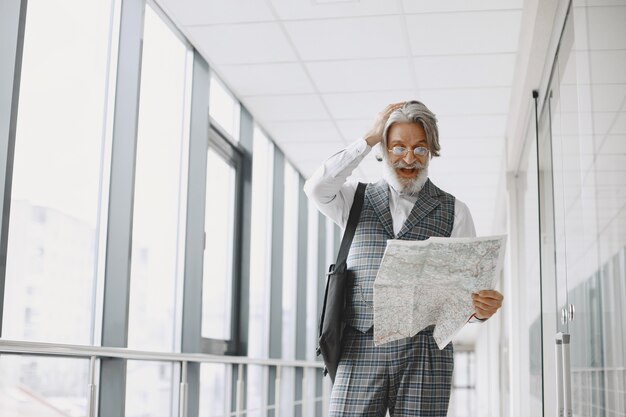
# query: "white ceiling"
[[314, 73]]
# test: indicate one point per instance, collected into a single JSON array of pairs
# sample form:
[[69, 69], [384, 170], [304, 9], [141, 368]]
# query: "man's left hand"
[[486, 303]]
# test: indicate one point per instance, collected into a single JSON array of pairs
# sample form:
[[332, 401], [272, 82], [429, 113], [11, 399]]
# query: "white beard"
[[405, 185]]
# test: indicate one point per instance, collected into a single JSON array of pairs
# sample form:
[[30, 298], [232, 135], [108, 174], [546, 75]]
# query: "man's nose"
[[410, 157]]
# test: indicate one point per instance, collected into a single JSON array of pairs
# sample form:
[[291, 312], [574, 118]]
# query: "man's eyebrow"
[[399, 143]]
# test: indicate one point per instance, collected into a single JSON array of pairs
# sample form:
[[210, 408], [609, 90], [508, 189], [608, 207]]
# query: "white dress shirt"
[[333, 195]]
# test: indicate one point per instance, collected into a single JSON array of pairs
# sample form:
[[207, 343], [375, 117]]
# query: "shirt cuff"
[[474, 319], [360, 146]]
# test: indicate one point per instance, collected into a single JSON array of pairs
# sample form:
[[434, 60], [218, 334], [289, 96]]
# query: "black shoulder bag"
[[331, 320]]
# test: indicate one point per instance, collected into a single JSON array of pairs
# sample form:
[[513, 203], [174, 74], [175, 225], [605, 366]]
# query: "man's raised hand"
[[375, 135]]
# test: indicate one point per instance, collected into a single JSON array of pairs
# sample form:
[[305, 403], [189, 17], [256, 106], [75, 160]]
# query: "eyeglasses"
[[402, 151]]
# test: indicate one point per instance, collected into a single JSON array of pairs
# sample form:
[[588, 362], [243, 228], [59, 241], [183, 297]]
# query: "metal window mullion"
[[322, 267], [120, 217], [246, 130], [194, 239], [12, 26], [234, 158], [301, 294], [276, 277], [178, 403], [245, 233], [241, 318]]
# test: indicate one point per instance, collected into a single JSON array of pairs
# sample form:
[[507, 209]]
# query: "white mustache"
[[402, 164]]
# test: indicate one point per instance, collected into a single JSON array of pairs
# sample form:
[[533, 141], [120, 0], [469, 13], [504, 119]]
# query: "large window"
[[160, 181], [58, 166], [71, 148], [160, 172]]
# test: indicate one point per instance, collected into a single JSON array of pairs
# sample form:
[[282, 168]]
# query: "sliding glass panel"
[[587, 157], [57, 173], [593, 155], [528, 221], [219, 226]]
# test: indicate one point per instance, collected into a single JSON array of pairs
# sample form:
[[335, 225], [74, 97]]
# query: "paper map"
[[430, 282]]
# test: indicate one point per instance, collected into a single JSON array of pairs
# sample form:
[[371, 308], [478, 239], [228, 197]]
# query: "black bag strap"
[[353, 220]]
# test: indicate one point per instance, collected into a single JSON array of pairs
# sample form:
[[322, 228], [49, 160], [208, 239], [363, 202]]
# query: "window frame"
[[218, 142]]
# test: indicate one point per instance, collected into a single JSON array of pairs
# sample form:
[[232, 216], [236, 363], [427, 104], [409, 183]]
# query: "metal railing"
[[94, 353]]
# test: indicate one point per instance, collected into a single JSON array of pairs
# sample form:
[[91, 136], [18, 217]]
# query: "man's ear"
[[378, 155]]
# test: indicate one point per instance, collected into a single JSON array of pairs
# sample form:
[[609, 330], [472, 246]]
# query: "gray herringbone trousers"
[[410, 377]]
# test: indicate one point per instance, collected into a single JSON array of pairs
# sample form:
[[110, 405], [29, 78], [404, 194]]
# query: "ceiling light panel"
[[291, 107], [477, 70], [312, 151], [464, 33], [412, 6], [468, 101], [475, 126], [311, 9], [243, 44], [203, 12], [272, 79], [361, 75], [363, 105], [348, 38], [305, 131]]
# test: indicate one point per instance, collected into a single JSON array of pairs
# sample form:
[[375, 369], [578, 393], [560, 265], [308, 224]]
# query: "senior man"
[[408, 377]]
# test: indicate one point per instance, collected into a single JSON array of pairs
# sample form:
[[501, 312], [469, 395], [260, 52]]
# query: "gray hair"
[[416, 112]]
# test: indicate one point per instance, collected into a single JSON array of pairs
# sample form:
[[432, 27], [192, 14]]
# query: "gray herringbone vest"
[[432, 215]]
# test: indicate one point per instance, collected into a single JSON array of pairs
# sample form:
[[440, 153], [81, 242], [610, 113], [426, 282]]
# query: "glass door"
[[553, 140], [582, 193], [552, 294]]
